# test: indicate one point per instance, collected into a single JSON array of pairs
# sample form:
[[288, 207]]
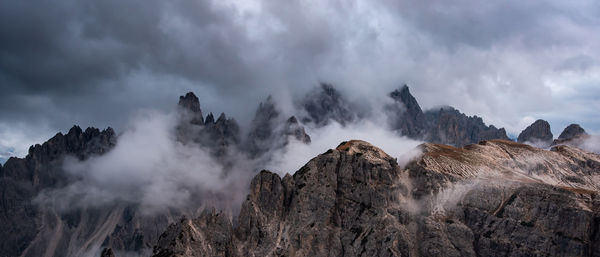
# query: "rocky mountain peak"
[[23, 178], [210, 119], [405, 114], [76, 142], [404, 96], [222, 118], [293, 128], [267, 111], [268, 131], [538, 132], [292, 120], [449, 126], [485, 199], [325, 103], [190, 102], [191, 105], [572, 131], [364, 149], [261, 136]]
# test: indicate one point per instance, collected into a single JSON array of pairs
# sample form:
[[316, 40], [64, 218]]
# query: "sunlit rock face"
[[496, 198]]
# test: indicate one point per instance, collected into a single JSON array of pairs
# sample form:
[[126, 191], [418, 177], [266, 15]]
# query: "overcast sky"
[[94, 63]]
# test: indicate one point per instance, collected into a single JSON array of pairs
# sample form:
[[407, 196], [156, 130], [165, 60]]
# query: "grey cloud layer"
[[95, 62]]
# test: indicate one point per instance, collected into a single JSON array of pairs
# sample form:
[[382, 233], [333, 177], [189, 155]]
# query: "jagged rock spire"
[[209, 119], [293, 128], [191, 104], [268, 131], [405, 114]]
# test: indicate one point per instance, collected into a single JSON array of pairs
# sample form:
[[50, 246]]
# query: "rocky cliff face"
[[497, 198], [537, 133]]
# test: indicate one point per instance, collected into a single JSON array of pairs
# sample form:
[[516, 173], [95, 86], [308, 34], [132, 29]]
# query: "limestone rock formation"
[[537, 133], [449, 126], [324, 104], [32, 229], [269, 132], [406, 115], [294, 129], [571, 131], [444, 126], [262, 130], [217, 136], [496, 198], [190, 105], [29, 230]]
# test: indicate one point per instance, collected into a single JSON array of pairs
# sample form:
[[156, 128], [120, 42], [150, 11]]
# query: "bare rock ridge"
[[25, 225], [354, 198], [262, 127], [32, 229], [325, 104], [538, 132], [445, 125], [488, 199], [449, 126]]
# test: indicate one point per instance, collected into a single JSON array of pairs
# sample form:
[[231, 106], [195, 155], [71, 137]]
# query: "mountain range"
[[470, 191]]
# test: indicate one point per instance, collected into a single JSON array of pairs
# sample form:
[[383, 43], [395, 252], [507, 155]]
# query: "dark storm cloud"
[[93, 63], [489, 23]]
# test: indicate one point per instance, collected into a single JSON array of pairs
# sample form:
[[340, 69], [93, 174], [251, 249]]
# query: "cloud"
[[151, 169], [94, 63], [296, 154]]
